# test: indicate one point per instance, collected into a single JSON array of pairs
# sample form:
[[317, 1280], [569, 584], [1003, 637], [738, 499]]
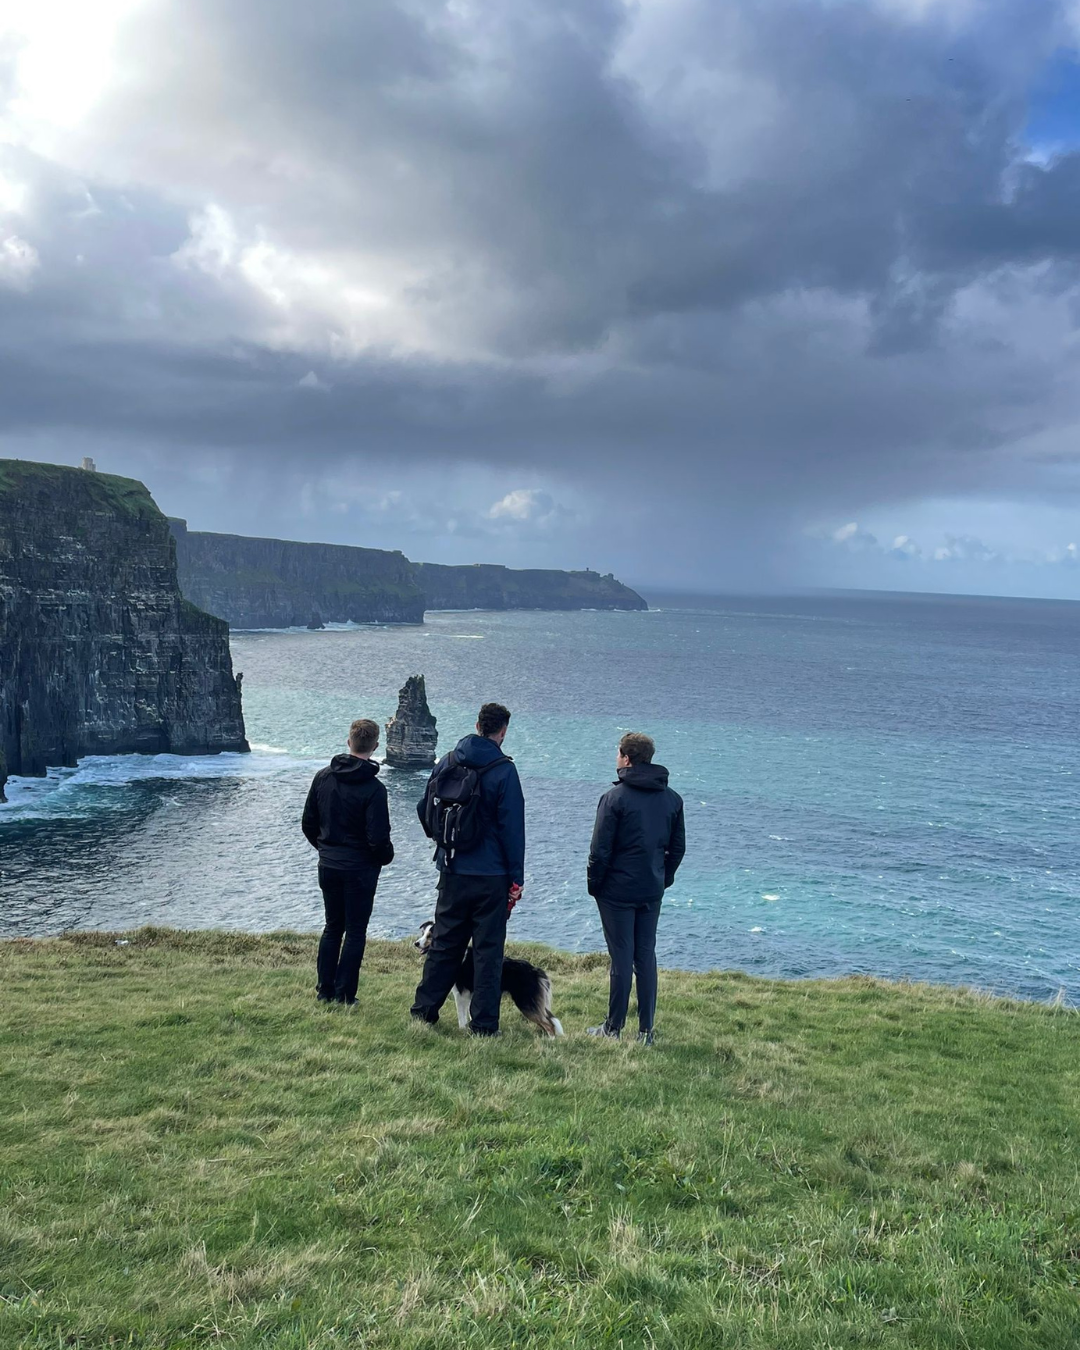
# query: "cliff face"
[[277, 583], [99, 651], [487, 586]]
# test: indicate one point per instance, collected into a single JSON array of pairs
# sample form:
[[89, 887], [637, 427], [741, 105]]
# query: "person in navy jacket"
[[478, 886]]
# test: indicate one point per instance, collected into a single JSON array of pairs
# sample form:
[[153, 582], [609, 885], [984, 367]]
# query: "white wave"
[[76, 792], [260, 748], [348, 626]]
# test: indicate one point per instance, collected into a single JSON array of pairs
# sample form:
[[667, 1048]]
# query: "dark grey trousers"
[[630, 934], [469, 908]]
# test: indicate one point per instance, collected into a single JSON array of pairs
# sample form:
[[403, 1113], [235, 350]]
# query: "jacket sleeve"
[[377, 825], [602, 848], [676, 849], [309, 822], [422, 804], [511, 818]]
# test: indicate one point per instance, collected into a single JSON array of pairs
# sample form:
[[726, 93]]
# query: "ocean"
[[880, 784]]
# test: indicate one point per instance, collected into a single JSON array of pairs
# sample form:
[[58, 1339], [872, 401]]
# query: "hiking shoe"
[[480, 1031], [645, 1037], [602, 1030]]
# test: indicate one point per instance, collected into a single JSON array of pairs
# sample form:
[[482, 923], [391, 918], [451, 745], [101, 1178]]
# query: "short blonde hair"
[[637, 747], [363, 736]]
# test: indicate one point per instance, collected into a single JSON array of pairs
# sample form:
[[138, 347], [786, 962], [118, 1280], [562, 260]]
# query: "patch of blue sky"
[[1053, 124]]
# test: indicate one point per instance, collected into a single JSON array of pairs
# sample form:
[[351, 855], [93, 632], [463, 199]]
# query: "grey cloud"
[[769, 257]]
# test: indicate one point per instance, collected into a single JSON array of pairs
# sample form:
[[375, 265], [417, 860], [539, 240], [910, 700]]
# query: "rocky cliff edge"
[[99, 651]]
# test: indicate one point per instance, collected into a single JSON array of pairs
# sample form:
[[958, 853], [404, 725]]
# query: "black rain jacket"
[[346, 817], [638, 840]]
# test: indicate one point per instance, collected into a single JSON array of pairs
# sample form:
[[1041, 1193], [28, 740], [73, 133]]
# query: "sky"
[[761, 295]]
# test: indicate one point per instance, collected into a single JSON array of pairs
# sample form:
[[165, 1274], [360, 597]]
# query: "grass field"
[[192, 1153]]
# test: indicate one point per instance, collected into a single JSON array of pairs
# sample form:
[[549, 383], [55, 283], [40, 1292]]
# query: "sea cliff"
[[488, 586], [278, 583], [99, 651]]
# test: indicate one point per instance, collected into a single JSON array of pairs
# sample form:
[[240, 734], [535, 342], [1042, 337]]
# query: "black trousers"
[[630, 934], [347, 899], [469, 909]]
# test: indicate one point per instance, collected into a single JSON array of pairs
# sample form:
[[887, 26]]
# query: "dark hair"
[[493, 717], [637, 747], [363, 736]]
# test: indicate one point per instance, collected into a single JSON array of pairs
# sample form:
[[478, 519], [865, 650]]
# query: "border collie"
[[526, 984]]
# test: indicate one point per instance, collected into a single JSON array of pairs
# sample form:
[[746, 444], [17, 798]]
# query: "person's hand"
[[513, 898]]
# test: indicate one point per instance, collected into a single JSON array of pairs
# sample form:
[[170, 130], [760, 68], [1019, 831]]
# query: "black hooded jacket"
[[346, 816], [638, 840]]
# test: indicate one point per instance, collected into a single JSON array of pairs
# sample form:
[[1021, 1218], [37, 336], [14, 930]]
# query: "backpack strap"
[[494, 763]]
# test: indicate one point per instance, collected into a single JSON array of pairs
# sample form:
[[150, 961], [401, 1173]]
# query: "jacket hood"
[[476, 751], [352, 770], [647, 777]]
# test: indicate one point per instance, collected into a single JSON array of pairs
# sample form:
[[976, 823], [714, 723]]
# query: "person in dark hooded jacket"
[[346, 818], [478, 886], [637, 845]]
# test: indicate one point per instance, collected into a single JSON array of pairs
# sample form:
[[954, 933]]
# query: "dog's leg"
[[463, 1000]]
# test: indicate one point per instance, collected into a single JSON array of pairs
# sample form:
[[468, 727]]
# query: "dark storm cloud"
[[780, 256]]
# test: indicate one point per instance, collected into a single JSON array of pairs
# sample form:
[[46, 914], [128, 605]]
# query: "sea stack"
[[410, 733], [100, 654]]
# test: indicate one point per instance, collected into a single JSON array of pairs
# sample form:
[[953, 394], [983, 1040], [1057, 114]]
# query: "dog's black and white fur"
[[526, 984]]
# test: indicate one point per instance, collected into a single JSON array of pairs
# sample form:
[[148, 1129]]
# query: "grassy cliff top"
[[126, 496], [193, 1152]]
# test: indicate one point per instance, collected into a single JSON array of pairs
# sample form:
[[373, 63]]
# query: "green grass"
[[193, 1153], [106, 491]]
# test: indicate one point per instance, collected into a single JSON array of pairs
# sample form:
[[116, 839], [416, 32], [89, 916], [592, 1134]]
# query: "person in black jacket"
[[478, 885], [637, 845], [347, 820]]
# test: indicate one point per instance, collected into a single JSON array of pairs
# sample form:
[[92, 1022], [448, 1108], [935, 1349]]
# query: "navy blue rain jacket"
[[501, 851]]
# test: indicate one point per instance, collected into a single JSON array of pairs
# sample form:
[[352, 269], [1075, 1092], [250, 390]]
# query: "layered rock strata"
[[99, 651], [410, 734]]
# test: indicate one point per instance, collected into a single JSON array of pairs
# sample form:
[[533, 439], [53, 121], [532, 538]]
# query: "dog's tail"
[[540, 1013]]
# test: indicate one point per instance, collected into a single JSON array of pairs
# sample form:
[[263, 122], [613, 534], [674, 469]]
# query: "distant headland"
[[280, 583]]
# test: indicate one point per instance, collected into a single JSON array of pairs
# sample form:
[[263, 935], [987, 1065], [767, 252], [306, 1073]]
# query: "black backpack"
[[453, 814]]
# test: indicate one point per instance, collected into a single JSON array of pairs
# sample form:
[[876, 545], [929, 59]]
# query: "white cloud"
[[850, 536], [19, 262], [63, 60], [312, 381], [12, 196], [528, 505], [966, 548], [903, 546]]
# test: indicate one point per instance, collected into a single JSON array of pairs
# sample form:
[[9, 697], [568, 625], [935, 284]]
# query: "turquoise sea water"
[[879, 784]]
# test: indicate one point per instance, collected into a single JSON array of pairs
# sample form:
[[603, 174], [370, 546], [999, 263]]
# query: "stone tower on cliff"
[[410, 733]]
